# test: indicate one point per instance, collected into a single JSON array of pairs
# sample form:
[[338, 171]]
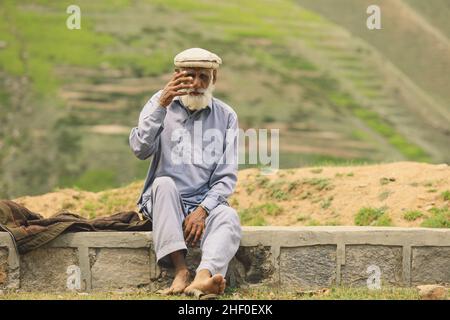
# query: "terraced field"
[[70, 97]]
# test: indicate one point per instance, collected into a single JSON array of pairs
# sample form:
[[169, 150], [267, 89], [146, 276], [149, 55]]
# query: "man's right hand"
[[175, 88]]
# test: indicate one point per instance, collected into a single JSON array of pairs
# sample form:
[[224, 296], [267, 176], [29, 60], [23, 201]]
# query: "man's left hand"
[[194, 225]]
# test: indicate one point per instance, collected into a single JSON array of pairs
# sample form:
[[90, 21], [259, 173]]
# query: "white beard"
[[194, 103]]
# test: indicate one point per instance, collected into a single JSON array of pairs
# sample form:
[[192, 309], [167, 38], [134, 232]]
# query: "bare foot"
[[206, 284], [179, 283]]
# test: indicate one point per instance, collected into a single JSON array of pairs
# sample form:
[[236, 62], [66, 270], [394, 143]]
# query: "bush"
[[412, 215], [440, 218], [446, 195], [255, 216], [372, 217]]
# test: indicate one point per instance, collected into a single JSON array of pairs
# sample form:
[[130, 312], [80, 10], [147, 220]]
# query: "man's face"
[[203, 82], [201, 79]]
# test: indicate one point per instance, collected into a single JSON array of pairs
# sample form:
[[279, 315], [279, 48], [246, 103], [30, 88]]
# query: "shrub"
[[412, 215], [446, 195], [255, 216], [440, 218], [372, 217]]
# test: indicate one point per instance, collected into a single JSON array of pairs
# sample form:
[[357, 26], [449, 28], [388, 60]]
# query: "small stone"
[[391, 179], [432, 292]]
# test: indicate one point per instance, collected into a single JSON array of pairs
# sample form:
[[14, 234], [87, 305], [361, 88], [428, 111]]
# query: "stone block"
[[430, 265], [4, 272], [382, 261], [46, 269], [308, 266], [119, 268]]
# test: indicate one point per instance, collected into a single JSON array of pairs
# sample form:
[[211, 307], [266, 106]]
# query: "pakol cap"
[[197, 58]]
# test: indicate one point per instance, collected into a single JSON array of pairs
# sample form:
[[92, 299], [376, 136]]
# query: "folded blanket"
[[30, 230]]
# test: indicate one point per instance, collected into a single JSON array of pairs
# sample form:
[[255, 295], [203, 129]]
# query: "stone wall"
[[292, 257]]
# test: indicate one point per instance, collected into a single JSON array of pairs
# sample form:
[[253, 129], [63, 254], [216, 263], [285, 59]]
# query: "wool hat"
[[197, 58]]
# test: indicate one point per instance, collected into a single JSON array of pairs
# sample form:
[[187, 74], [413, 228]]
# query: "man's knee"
[[163, 184], [227, 215]]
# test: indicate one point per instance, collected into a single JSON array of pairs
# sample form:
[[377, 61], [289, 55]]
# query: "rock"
[[441, 166], [432, 292]]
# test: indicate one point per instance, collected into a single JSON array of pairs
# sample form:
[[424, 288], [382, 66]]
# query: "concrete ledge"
[[305, 257]]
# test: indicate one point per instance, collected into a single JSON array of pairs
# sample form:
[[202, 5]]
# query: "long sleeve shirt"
[[158, 137]]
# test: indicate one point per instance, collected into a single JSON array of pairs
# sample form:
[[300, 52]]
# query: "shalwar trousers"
[[221, 237]]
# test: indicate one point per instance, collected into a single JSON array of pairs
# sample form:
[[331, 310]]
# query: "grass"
[[326, 203], [302, 217], [255, 216], [384, 195], [262, 293], [313, 223], [319, 183], [439, 218], [372, 217], [446, 195], [412, 215], [278, 194], [146, 49], [384, 180]]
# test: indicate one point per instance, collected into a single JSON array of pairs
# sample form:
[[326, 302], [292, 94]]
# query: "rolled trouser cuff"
[[162, 256]]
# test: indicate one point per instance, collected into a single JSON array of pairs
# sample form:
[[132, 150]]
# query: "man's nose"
[[197, 83]]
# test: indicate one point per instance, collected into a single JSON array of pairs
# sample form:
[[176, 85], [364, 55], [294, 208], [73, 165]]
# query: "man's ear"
[[214, 76]]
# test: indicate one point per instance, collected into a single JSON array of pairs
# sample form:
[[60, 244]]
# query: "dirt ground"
[[328, 195]]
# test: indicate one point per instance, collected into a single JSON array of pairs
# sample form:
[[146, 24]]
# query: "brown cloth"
[[30, 230]]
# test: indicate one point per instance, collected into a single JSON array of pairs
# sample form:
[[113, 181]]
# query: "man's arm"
[[224, 177], [143, 138]]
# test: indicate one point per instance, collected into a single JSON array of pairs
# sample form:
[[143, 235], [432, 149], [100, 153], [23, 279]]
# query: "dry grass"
[[295, 197], [338, 293]]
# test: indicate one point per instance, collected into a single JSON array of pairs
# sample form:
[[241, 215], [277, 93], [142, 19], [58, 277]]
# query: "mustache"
[[202, 91]]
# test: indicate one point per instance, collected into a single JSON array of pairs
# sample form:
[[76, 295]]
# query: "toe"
[[217, 279], [177, 290], [222, 287]]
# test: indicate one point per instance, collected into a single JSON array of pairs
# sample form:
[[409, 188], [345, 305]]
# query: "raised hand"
[[175, 87]]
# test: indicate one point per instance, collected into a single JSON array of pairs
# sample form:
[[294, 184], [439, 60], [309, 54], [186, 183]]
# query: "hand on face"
[[175, 87]]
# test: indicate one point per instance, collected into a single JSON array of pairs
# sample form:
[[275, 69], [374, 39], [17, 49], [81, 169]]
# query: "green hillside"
[[68, 98]]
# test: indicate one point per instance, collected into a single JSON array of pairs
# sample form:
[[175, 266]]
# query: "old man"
[[186, 190]]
